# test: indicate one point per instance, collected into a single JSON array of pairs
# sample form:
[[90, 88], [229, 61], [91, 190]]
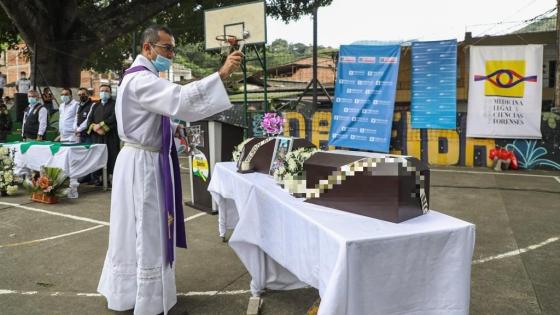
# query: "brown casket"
[[263, 157], [390, 188]]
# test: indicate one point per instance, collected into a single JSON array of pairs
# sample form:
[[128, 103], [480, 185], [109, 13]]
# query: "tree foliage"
[[99, 34]]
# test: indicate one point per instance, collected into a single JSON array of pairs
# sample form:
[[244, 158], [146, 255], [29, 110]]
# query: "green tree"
[[279, 45], [68, 35]]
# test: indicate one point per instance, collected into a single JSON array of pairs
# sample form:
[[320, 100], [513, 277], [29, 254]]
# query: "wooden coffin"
[[393, 189]]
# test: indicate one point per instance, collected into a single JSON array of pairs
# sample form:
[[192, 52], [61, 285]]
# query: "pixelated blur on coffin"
[[390, 188], [263, 157]]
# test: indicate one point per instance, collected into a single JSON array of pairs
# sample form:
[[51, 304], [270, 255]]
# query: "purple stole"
[[173, 204]]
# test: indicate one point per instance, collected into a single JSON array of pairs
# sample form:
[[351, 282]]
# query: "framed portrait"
[[282, 146]]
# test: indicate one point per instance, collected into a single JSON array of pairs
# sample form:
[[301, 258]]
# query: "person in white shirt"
[[34, 118], [67, 116], [146, 206], [23, 85]]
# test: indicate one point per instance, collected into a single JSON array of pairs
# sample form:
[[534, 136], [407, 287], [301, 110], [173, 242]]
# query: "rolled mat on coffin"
[[263, 157], [390, 188]]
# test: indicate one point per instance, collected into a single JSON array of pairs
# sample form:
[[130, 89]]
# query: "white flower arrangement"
[[237, 150], [8, 181], [293, 164]]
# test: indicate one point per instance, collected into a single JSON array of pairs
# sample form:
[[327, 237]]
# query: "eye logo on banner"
[[505, 78], [505, 92]]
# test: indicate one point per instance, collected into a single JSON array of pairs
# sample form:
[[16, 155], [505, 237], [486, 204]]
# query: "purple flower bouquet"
[[272, 123]]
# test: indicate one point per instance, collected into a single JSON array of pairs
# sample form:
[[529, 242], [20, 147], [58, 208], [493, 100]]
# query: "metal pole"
[[557, 76], [245, 118], [315, 56], [265, 69], [35, 66]]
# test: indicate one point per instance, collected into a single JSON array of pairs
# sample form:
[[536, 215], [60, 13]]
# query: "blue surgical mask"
[[161, 63], [105, 96], [32, 101], [65, 98]]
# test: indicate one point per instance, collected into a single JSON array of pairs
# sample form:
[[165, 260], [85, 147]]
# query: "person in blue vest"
[[34, 118]]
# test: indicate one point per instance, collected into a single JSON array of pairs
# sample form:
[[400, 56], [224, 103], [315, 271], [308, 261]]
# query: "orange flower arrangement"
[[51, 181], [43, 182]]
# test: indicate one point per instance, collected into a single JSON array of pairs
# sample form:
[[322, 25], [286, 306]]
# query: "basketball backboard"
[[245, 22]]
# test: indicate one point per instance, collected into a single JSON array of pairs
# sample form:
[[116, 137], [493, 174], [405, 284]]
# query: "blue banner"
[[434, 88], [366, 84]]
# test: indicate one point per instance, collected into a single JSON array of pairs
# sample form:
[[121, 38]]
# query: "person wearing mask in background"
[[82, 115], [5, 122], [2, 83], [103, 129], [67, 116], [34, 118], [48, 100], [23, 85]]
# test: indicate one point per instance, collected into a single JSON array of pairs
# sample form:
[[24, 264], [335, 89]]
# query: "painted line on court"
[[52, 237], [100, 224], [494, 173], [195, 216], [71, 294], [75, 217], [557, 179], [516, 252]]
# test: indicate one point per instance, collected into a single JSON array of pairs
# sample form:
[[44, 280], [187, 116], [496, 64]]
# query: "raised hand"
[[232, 63]]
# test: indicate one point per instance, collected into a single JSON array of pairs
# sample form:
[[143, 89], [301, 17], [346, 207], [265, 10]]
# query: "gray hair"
[[151, 36]]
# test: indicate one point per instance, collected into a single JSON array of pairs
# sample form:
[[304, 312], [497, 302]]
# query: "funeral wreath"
[[8, 181]]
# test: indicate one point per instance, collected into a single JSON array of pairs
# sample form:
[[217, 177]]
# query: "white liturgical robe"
[[135, 273]]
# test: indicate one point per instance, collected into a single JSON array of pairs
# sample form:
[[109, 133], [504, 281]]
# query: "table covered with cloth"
[[76, 160], [360, 265]]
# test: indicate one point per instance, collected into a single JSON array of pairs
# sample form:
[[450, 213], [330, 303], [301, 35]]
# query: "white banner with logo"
[[505, 92]]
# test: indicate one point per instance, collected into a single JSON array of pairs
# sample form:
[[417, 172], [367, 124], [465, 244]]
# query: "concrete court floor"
[[50, 260]]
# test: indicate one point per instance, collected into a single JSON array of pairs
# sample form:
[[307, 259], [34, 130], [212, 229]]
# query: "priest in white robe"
[[146, 213]]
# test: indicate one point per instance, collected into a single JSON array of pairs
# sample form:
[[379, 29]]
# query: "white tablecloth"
[[75, 161], [360, 265]]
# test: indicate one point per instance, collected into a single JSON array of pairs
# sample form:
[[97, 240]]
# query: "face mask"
[[161, 63], [65, 98], [32, 101], [105, 96], [84, 98]]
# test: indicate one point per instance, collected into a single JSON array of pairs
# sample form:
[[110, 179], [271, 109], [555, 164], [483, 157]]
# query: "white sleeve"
[[23, 121], [61, 118], [84, 125], [43, 114], [75, 122], [194, 101]]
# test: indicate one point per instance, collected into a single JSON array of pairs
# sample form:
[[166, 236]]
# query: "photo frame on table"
[[282, 146], [241, 157]]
